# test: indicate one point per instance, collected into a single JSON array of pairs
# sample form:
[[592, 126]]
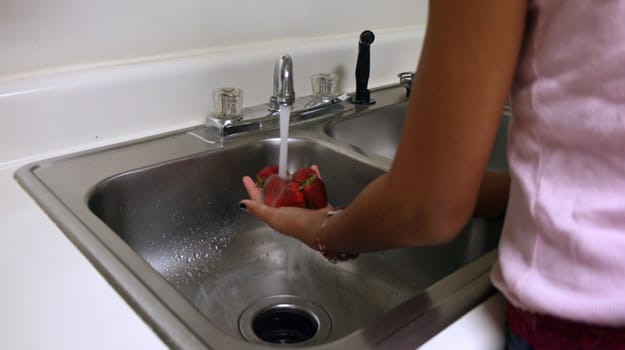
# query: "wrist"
[[331, 255]]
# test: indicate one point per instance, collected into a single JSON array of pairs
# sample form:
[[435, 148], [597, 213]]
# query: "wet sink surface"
[[159, 218], [183, 219]]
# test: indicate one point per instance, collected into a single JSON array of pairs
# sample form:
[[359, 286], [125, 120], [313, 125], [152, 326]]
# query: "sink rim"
[[177, 322]]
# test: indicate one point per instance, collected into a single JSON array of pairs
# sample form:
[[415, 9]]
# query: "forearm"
[[374, 221]]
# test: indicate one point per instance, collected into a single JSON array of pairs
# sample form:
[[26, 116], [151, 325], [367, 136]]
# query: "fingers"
[[279, 219], [291, 221], [255, 208], [255, 205], [315, 168], [252, 190]]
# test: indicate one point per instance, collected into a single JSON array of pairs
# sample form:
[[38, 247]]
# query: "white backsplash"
[[45, 35], [76, 74]]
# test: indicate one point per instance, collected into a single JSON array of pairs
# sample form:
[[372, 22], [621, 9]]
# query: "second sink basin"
[[378, 132]]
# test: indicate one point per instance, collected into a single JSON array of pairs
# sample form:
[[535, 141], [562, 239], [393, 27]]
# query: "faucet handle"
[[324, 86], [405, 80], [228, 103]]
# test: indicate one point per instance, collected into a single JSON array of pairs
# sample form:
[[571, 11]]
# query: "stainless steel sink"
[[374, 133], [159, 218], [377, 133]]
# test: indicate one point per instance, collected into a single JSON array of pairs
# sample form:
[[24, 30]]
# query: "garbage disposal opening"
[[285, 324]]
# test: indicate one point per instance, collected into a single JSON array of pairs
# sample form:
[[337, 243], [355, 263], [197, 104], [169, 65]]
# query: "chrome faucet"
[[283, 93], [228, 119]]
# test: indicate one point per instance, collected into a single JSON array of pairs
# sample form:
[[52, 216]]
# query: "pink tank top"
[[562, 250]]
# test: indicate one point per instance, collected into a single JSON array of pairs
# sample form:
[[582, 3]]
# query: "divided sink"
[[377, 133], [160, 220]]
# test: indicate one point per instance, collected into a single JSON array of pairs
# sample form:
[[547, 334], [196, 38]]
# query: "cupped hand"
[[300, 223]]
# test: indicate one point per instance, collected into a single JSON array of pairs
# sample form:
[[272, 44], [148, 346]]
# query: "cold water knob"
[[324, 86]]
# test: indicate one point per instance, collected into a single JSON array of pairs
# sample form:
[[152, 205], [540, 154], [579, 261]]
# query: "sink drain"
[[285, 319], [285, 324]]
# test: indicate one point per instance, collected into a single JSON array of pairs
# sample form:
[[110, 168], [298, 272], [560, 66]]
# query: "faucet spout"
[[283, 93]]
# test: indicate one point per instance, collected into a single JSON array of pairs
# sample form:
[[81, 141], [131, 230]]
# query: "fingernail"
[[242, 206]]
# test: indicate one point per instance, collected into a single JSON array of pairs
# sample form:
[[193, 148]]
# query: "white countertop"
[[51, 297]]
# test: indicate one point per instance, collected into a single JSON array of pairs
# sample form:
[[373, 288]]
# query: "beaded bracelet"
[[332, 256]]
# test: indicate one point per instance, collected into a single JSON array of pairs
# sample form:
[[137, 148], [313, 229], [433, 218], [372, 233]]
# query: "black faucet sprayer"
[[362, 96]]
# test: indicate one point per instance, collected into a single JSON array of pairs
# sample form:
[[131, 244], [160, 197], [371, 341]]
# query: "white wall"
[[38, 35], [76, 74]]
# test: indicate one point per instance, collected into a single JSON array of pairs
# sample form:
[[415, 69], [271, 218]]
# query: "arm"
[[433, 186]]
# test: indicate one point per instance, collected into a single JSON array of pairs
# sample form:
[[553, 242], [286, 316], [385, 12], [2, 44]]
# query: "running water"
[[292, 248], [285, 117], [290, 245]]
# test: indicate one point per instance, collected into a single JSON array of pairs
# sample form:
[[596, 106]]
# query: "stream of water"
[[290, 245], [285, 116]]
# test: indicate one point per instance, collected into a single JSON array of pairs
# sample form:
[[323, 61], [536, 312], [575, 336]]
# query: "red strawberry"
[[312, 187], [304, 174], [315, 194], [290, 196], [273, 185], [264, 173], [305, 189]]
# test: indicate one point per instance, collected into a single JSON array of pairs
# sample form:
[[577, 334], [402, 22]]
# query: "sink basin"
[[377, 133], [183, 219], [159, 218]]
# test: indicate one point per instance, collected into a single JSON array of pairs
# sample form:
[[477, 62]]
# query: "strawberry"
[[264, 173], [305, 189], [304, 174], [312, 187], [315, 194], [290, 196], [273, 185]]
